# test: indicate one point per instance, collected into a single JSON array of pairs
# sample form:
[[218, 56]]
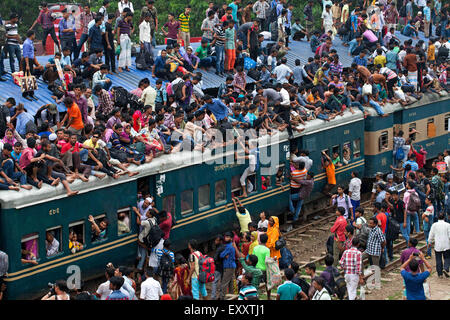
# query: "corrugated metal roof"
[[129, 80]]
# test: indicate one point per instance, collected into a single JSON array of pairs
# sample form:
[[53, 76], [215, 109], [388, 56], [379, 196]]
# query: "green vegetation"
[[28, 11]]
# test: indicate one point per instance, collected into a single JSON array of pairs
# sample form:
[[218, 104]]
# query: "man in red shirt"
[[70, 155], [420, 156], [339, 234], [381, 216], [165, 223]]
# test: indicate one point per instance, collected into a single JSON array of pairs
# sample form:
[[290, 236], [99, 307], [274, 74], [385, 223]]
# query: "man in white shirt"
[[327, 17], [283, 72], [153, 261], [354, 191], [103, 290], [304, 157], [321, 293], [440, 235], [150, 288], [51, 244], [145, 34], [125, 4], [447, 157]]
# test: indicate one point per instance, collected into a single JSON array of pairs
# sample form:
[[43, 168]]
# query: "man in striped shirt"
[[13, 40], [247, 290], [184, 19], [351, 262], [298, 174], [375, 244]]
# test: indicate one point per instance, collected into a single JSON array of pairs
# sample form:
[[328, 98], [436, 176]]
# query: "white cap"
[[52, 137], [149, 199]]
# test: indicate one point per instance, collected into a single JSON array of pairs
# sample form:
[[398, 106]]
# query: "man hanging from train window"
[[328, 166]]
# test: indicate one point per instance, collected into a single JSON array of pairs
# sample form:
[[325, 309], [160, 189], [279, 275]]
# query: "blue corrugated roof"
[[129, 80]]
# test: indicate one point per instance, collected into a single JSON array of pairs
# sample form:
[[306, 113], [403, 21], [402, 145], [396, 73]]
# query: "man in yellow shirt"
[[380, 59], [184, 19], [242, 214], [431, 52]]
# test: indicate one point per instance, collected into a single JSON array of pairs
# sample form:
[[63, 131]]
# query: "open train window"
[[220, 191], [187, 201], [336, 155], [383, 141], [236, 186], [168, 203], [204, 197], [251, 182], [53, 241], [411, 127], [100, 228], [447, 122], [123, 221], [356, 148], [431, 128], [346, 153], [76, 236], [280, 177], [30, 248], [143, 186]]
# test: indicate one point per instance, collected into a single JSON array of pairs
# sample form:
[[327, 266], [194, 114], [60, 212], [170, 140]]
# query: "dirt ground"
[[393, 289]]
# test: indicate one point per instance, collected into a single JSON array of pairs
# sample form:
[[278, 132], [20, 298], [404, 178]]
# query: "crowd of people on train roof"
[[104, 135], [121, 128]]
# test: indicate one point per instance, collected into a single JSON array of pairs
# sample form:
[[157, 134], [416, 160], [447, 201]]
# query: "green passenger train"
[[196, 192]]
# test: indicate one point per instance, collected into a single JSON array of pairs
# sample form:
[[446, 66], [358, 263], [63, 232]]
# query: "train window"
[[123, 221], [76, 236], [53, 243], [168, 203], [447, 122], [356, 148], [431, 128], [281, 175], [236, 186], [346, 153], [204, 197], [143, 185], [187, 201], [99, 227], [220, 191], [30, 248], [412, 126], [383, 141], [251, 182]]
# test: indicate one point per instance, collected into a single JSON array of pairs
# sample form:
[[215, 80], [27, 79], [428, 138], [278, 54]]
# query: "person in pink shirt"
[[165, 223], [30, 164]]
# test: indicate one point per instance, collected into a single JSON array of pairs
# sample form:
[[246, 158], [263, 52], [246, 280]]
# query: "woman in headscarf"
[[254, 243], [273, 232]]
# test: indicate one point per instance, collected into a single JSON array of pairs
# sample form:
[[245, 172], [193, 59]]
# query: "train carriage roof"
[[165, 163]]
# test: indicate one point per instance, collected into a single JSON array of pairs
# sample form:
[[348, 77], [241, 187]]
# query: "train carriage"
[[197, 190]]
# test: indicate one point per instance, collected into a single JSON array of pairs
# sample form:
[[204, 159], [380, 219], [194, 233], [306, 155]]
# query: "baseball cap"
[[52, 109], [390, 176]]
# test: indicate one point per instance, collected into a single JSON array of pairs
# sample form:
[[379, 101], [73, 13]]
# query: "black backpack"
[[274, 31], [154, 236], [177, 90], [402, 12], [166, 266], [392, 229], [273, 14]]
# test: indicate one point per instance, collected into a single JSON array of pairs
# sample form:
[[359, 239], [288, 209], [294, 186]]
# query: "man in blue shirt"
[[95, 36], [235, 8], [289, 290], [217, 107], [229, 263], [29, 62], [67, 31], [25, 121], [412, 162], [414, 280], [160, 69], [427, 20], [115, 283], [361, 60]]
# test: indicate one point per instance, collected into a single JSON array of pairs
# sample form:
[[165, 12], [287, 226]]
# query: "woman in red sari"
[[181, 284]]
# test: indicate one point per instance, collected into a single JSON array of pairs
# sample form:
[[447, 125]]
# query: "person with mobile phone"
[[415, 279]]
